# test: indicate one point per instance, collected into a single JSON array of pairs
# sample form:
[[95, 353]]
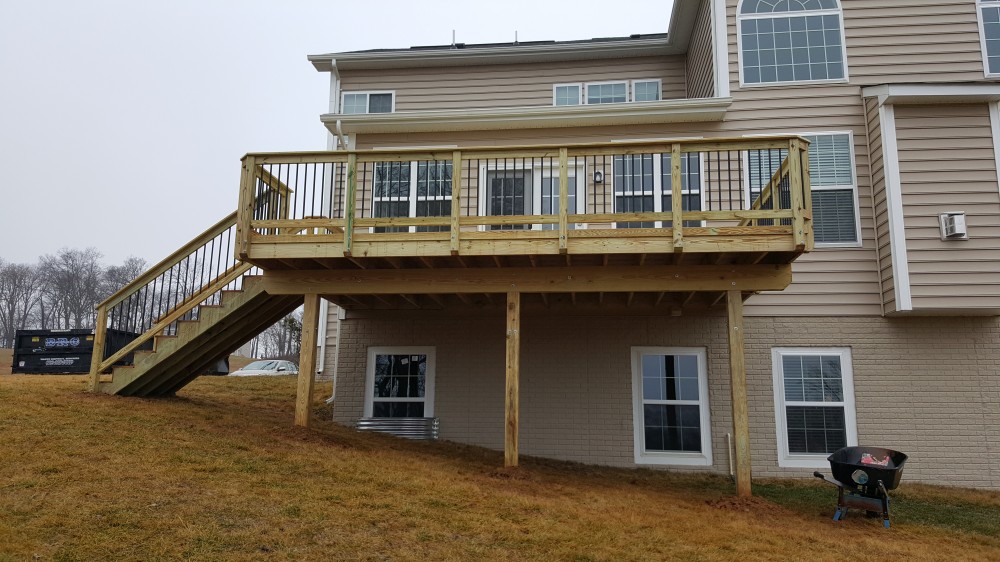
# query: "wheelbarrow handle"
[[819, 475]]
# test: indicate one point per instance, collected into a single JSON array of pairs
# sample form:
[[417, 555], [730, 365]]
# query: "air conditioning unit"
[[953, 226]]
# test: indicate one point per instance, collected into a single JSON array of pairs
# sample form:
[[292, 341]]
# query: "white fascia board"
[[505, 54], [665, 111], [720, 48], [890, 94], [894, 206]]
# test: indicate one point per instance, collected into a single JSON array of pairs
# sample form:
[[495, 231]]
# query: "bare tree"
[[281, 339], [73, 285], [117, 276], [20, 292]]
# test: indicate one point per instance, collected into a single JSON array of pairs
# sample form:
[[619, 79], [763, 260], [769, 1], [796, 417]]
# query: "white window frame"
[[659, 89], [586, 92], [658, 189], [854, 178], [367, 94], [815, 460], [704, 458], [579, 97], [739, 45], [534, 196], [629, 90], [413, 198], [980, 4], [428, 398]]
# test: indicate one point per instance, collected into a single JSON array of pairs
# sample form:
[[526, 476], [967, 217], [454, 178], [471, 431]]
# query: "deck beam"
[[581, 279]]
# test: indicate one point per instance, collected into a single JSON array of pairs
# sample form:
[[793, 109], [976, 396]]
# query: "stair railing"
[[171, 291]]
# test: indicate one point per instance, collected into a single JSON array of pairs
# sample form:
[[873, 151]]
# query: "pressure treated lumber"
[[307, 361], [577, 279], [511, 402], [738, 382]]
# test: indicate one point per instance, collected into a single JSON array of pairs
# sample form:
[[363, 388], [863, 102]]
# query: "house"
[[768, 233]]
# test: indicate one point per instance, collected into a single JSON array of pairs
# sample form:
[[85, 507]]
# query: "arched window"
[[791, 41]]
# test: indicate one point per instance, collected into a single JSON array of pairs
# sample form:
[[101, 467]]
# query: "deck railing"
[[171, 291], [440, 198]]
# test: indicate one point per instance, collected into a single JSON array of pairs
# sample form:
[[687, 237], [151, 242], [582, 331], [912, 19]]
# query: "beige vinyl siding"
[[827, 281], [700, 63], [881, 208], [947, 163], [332, 339], [510, 85], [923, 41]]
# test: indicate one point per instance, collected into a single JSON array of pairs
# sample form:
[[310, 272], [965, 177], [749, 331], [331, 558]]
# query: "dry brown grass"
[[218, 473], [6, 360]]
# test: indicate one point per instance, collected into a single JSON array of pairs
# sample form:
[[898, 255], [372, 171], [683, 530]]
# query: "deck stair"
[[184, 315]]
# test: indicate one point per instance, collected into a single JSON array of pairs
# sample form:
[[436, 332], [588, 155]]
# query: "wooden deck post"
[[564, 200], [676, 197], [738, 378], [456, 199], [100, 334], [795, 192], [307, 361], [513, 372], [349, 208]]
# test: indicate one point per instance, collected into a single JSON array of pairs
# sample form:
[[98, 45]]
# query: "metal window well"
[[410, 428], [863, 477], [64, 351]]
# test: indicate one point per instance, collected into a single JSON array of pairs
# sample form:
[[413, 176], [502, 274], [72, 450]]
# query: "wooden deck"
[[439, 229]]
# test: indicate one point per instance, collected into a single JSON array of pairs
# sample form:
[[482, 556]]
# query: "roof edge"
[[674, 43]]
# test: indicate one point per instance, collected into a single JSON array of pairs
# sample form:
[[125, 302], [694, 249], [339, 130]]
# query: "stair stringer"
[[176, 360]]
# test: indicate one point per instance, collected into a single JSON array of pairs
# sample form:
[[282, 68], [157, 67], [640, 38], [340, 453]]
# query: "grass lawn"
[[219, 473]]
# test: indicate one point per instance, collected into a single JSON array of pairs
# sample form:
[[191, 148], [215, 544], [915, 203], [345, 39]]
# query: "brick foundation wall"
[[929, 387]]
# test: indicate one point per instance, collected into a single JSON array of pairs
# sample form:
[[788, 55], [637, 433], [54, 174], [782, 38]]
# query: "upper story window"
[[833, 182], [784, 41], [367, 102], [989, 20], [592, 93], [610, 92]]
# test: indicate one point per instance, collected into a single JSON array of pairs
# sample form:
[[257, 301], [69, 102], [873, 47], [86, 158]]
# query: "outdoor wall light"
[[598, 177]]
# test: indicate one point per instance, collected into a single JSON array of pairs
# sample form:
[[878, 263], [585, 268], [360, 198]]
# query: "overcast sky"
[[122, 122]]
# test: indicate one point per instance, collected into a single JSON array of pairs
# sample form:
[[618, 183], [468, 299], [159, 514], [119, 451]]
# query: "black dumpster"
[[64, 351]]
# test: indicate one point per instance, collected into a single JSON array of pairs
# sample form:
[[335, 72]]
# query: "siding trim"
[[894, 199], [720, 48], [995, 125]]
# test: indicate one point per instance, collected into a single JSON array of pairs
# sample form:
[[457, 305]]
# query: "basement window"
[[670, 406], [813, 403], [399, 382]]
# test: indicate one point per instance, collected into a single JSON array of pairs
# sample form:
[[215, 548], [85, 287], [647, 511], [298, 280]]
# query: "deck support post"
[[100, 334], [564, 200], [676, 199], [456, 199], [307, 361], [512, 373], [738, 382], [350, 206]]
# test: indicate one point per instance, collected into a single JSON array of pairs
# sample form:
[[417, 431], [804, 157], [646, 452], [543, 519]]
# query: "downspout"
[[331, 144]]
